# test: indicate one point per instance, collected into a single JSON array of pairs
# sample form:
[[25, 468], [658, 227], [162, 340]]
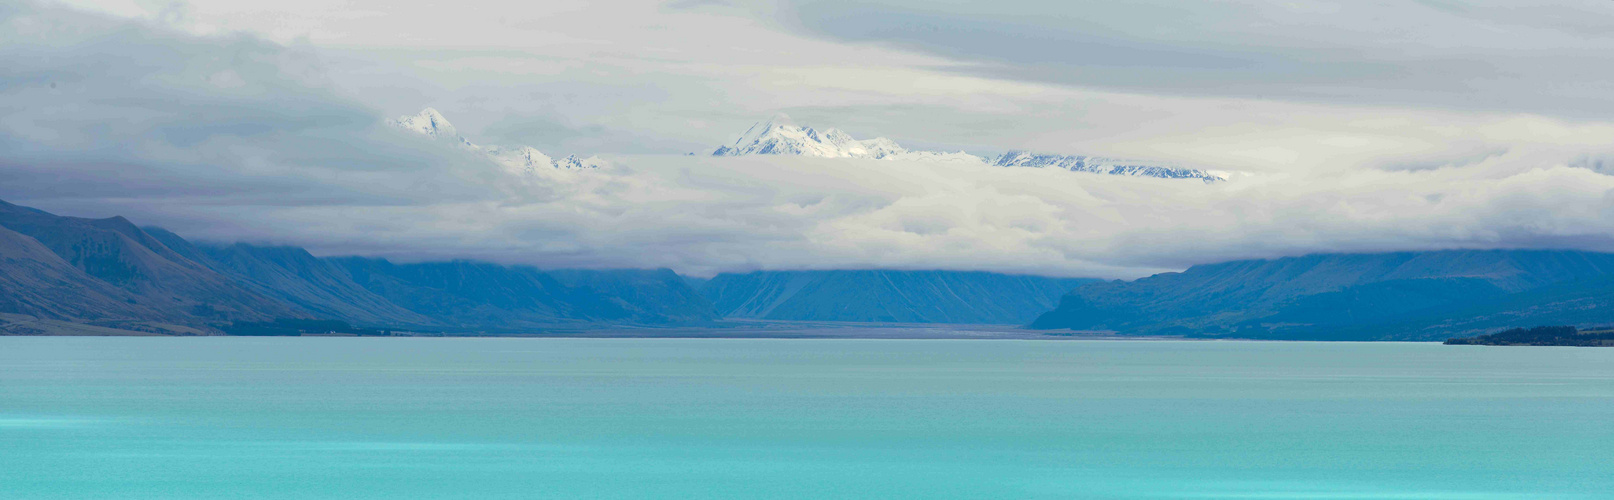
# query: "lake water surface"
[[488, 418]]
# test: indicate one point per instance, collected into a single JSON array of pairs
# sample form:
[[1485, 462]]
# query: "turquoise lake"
[[491, 418]]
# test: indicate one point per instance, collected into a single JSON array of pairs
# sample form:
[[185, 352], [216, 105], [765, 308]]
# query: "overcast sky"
[[1354, 126]]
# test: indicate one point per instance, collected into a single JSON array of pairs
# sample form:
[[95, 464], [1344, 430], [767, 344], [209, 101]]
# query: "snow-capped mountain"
[[573, 162], [432, 124], [780, 136], [520, 156], [429, 122], [1097, 165]]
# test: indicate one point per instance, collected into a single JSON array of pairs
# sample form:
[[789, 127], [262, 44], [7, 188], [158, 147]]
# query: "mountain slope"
[[293, 275], [37, 282], [886, 296], [112, 272], [650, 296], [452, 294], [1321, 295], [1584, 302], [485, 295], [461, 293], [116, 252]]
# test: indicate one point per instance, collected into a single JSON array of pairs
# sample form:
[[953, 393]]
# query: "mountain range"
[[781, 136], [109, 269], [886, 296], [1404, 295], [109, 272], [112, 273]]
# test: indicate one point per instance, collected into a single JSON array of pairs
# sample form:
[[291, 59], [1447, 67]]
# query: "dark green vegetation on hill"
[[108, 272], [1541, 336], [1406, 295], [887, 296]]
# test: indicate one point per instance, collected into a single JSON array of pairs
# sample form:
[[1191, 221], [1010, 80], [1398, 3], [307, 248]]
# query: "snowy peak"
[[1098, 165], [520, 159], [574, 162], [780, 136], [520, 156], [428, 122]]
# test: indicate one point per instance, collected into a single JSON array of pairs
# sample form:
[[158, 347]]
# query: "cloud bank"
[[1494, 55], [232, 137]]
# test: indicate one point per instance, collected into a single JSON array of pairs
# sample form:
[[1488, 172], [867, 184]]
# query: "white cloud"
[[701, 214]]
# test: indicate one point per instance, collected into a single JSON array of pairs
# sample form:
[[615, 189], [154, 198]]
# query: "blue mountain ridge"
[[109, 272], [889, 296], [113, 273], [1388, 296]]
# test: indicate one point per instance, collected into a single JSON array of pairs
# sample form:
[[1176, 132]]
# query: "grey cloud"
[[1584, 18], [577, 111], [97, 107], [1471, 55], [691, 4]]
